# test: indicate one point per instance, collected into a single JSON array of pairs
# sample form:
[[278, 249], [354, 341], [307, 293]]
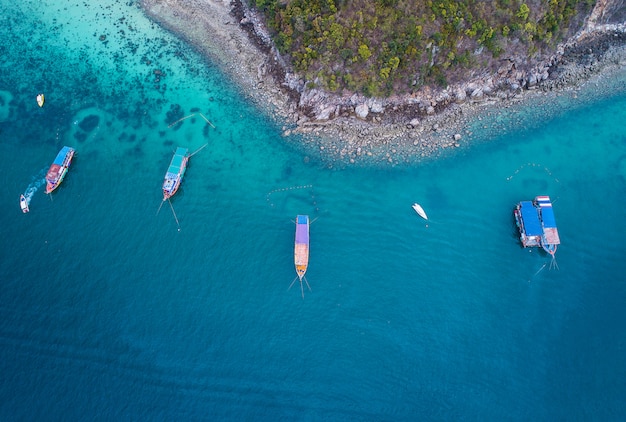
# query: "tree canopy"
[[378, 47]]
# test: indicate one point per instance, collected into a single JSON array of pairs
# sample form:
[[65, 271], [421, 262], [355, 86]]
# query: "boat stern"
[[51, 186]]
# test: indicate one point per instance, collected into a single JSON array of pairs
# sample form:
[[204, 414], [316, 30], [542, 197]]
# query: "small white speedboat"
[[23, 204], [40, 100], [420, 211]]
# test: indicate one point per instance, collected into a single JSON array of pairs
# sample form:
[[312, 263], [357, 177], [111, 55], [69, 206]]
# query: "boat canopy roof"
[[530, 216], [302, 229], [177, 160], [61, 156]]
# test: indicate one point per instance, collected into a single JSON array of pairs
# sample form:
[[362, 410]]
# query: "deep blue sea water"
[[108, 311]]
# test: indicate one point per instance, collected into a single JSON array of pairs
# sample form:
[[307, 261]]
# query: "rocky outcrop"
[[571, 62], [351, 126]]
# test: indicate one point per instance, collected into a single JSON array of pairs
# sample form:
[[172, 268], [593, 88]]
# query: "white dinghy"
[[420, 211]]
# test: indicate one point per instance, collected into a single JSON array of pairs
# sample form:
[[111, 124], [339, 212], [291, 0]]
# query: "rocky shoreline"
[[349, 129]]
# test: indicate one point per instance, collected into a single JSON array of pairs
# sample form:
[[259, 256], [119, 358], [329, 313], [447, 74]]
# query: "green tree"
[[523, 12], [394, 62], [364, 52]]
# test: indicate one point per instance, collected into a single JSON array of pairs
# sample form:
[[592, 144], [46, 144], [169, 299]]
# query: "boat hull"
[[301, 247], [58, 169], [23, 204], [175, 172], [40, 100], [420, 211]]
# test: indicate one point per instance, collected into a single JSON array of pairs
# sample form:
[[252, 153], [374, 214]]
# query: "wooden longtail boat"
[[301, 249], [175, 172], [59, 168]]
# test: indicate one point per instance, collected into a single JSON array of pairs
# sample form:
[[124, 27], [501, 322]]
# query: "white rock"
[[375, 105], [325, 113], [460, 95], [457, 136], [362, 110], [477, 93]]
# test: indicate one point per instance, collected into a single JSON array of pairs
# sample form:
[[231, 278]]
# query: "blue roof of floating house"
[[547, 215], [532, 225]]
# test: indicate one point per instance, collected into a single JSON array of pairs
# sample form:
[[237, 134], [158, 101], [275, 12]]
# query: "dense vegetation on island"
[[379, 47]]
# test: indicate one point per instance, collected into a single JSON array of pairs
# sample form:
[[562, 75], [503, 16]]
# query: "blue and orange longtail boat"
[[59, 168], [175, 172], [301, 250], [174, 176]]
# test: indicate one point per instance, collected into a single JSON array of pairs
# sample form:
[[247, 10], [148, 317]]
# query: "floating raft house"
[[537, 225]]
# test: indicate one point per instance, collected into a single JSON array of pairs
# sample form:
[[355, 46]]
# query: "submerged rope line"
[[520, 168], [174, 212], [553, 263], [187, 117], [269, 194]]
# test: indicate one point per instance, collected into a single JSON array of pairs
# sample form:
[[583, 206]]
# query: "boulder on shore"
[[362, 110]]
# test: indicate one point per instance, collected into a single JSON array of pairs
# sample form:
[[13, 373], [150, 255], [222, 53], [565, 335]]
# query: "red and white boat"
[[24, 204], [175, 172], [58, 169]]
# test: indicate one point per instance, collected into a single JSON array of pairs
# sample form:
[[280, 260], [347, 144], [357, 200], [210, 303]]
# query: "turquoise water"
[[109, 311]]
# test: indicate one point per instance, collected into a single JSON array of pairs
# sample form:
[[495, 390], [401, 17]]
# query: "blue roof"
[[302, 229], [61, 156], [177, 160], [530, 216], [547, 215]]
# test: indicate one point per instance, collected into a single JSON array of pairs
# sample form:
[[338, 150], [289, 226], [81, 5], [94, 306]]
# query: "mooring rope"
[[187, 117], [269, 194], [520, 168]]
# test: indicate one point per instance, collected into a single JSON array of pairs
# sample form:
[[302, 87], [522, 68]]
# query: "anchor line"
[[162, 202], [301, 286], [553, 263], [174, 212], [198, 150]]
